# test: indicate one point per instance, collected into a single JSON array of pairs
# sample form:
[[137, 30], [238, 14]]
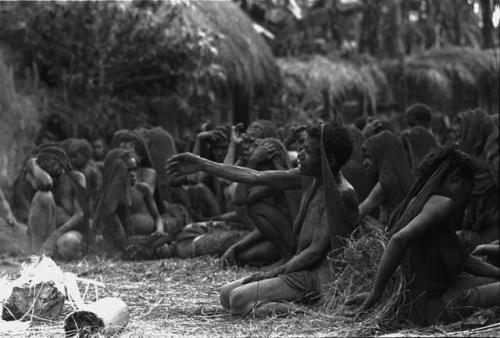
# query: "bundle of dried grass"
[[359, 262]]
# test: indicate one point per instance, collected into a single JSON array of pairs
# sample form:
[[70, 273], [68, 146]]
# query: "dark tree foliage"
[[102, 56]]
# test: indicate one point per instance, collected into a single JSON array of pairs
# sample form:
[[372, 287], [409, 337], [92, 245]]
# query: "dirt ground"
[[177, 297]]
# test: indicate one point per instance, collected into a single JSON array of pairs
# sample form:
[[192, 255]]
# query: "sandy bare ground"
[[177, 297]]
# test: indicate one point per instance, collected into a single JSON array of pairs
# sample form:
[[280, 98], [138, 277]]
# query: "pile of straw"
[[359, 263]]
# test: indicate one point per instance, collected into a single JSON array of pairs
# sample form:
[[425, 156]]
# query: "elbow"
[[398, 241]]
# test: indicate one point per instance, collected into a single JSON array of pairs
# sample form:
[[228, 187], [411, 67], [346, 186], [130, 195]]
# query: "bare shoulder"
[[438, 204], [347, 191], [78, 176], [143, 188]]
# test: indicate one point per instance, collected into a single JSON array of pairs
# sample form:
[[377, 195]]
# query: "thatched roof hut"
[[450, 79], [250, 72], [160, 60], [307, 81]]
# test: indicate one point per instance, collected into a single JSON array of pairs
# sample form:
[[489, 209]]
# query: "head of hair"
[[463, 166], [78, 145], [336, 140], [418, 114], [360, 122], [262, 129], [280, 160], [476, 126]]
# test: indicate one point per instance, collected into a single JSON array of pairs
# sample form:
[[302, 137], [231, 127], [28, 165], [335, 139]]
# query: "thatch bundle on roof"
[[306, 81], [250, 70], [450, 79]]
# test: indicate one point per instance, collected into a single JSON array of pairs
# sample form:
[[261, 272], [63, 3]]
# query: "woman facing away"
[[446, 282]]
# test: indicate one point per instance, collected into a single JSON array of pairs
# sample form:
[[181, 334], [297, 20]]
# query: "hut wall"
[[19, 124]]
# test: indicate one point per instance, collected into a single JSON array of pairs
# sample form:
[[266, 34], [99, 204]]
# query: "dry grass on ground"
[[181, 298]]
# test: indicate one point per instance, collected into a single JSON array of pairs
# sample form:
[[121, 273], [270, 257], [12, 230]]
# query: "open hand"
[[236, 132], [10, 219], [363, 301], [263, 275], [183, 164], [160, 229], [38, 178], [480, 250], [254, 277], [228, 258]]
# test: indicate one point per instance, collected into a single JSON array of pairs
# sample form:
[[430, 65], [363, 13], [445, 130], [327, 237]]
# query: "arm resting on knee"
[[476, 266]]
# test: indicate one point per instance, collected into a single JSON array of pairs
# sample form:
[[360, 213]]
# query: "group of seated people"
[[283, 199]]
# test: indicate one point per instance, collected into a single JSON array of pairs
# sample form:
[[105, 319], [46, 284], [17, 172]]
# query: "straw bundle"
[[360, 261]]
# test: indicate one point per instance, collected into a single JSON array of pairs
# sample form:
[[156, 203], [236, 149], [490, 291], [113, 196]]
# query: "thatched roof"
[[450, 79], [247, 61], [306, 81]]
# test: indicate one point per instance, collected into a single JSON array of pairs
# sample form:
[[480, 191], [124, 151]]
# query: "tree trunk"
[[432, 28], [486, 10], [456, 22], [369, 36], [392, 34]]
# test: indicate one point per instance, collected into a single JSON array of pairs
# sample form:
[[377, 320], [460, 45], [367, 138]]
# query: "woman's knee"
[[70, 245], [225, 291], [239, 302], [43, 199]]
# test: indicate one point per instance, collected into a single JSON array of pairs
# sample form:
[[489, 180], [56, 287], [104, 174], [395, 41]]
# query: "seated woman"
[[57, 220], [154, 147], [266, 211], [354, 171], [126, 211], [205, 191], [99, 151], [385, 161], [445, 282], [269, 212], [479, 139], [418, 141], [80, 156]]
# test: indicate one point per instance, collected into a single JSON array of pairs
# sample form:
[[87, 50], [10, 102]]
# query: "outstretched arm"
[[187, 163]]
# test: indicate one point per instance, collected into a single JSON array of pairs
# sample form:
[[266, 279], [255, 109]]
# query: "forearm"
[[230, 216], [258, 194], [393, 254], [372, 201], [72, 223], [231, 153], [240, 194], [304, 260], [4, 205], [366, 207], [249, 240], [197, 146], [230, 172], [476, 266]]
